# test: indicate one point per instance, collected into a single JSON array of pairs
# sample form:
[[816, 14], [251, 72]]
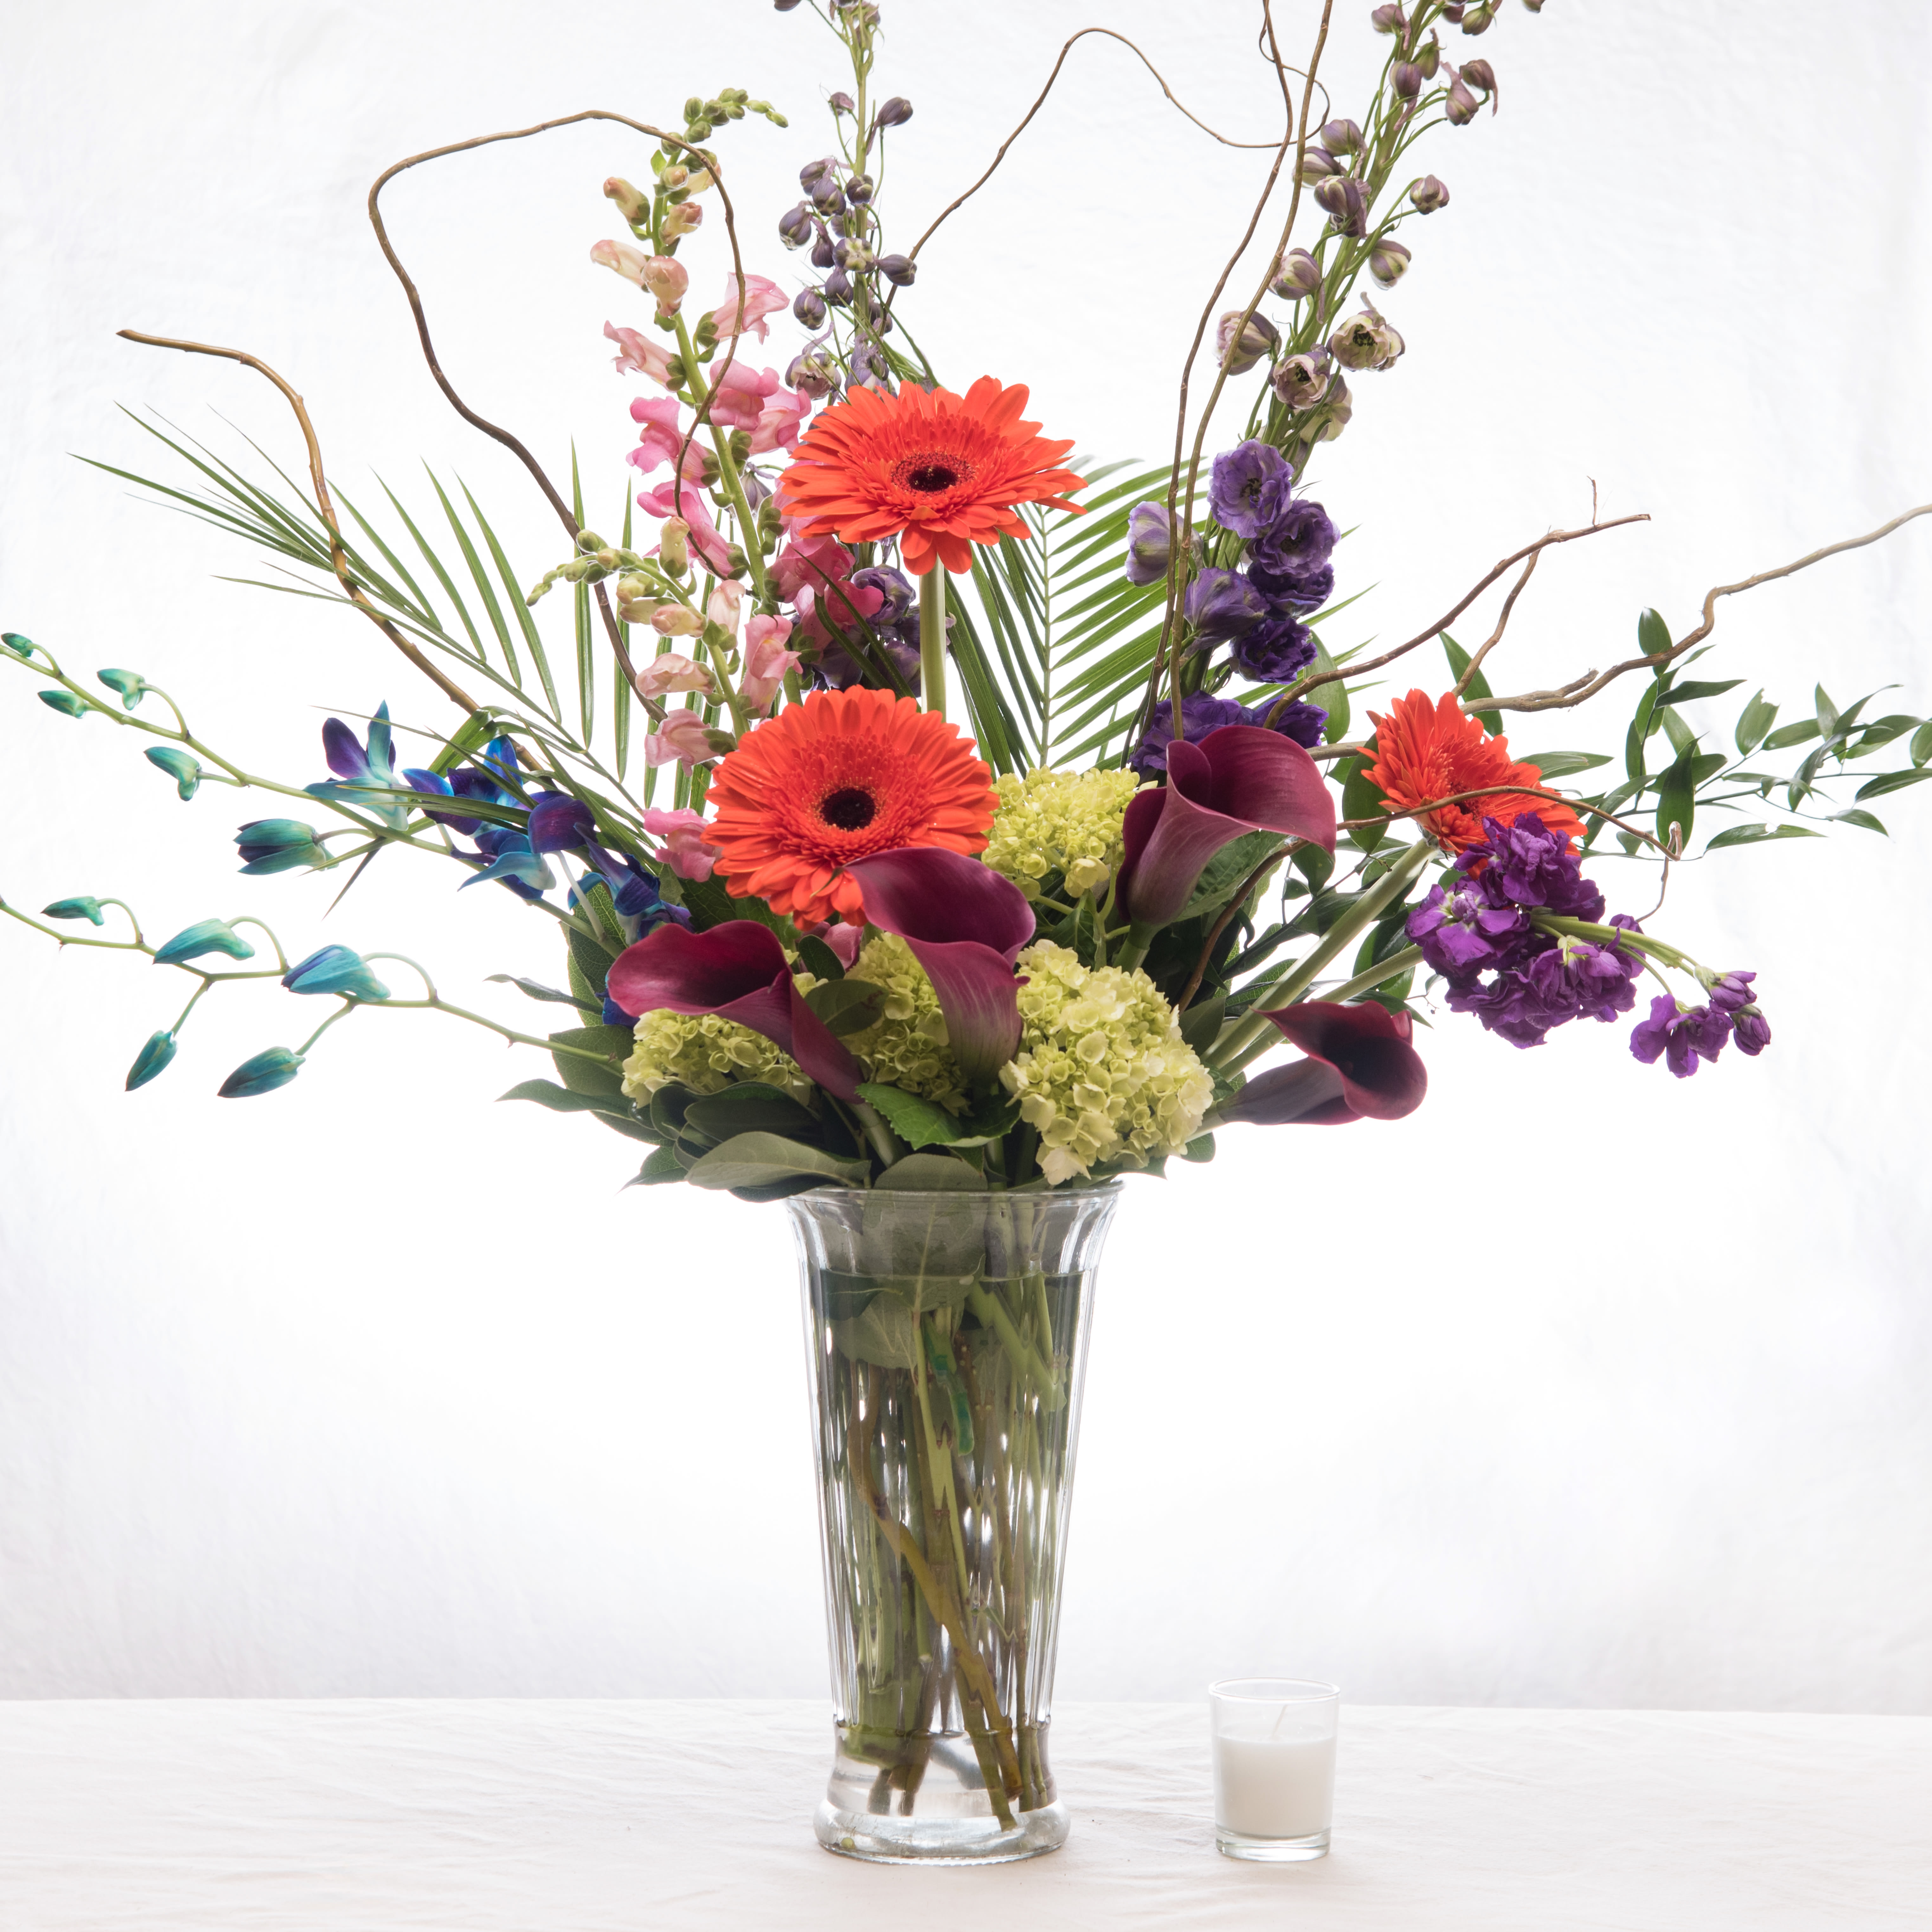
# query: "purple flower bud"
[[1454, 10], [1460, 108], [1296, 276], [784, 6], [859, 190], [1149, 543], [809, 306], [1301, 381], [1388, 261], [892, 585], [838, 290], [839, 103], [1389, 20], [1258, 337], [1340, 198], [1342, 137], [1733, 992], [1317, 164], [830, 199], [1477, 20], [795, 227], [815, 177], [1479, 74], [1223, 604], [1427, 195], [1429, 58], [1535, 6], [1751, 1030], [870, 369], [823, 252], [899, 270], [894, 113], [1406, 78]]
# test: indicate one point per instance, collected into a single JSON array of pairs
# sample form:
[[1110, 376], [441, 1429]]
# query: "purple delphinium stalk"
[[1223, 604], [1681, 1036], [1202, 712], [1252, 488], [1275, 651]]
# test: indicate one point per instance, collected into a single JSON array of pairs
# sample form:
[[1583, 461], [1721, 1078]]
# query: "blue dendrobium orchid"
[[274, 1067], [132, 686], [184, 770], [337, 970], [152, 1059], [205, 936], [363, 771], [84, 908], [279, 845]]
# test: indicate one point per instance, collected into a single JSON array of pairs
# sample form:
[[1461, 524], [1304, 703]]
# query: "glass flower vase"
[[947, 1336]]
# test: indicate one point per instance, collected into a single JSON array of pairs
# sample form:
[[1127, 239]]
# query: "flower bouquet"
[[937, 827]]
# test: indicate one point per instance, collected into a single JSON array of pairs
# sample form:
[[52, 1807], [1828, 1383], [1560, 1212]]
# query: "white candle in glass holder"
[[1274, 1766]]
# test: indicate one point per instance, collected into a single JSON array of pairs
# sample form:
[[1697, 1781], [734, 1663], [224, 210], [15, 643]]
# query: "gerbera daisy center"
[[929, 473], [850, 809]]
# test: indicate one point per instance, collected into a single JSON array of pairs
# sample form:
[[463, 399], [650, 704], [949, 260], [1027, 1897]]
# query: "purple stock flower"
[[1751, 1030], [1252, 488], [1568, 979], [1223, 604], [1681, 1037], [1275, 651], [1202, 712], [1525, 863], [1733, 992], [1462, 935]]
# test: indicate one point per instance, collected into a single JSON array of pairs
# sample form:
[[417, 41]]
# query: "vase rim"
[[1113, 1184]]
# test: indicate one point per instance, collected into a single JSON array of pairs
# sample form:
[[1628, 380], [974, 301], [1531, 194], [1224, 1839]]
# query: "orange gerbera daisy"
[[940, 472], [846, 774], [1426, 751]]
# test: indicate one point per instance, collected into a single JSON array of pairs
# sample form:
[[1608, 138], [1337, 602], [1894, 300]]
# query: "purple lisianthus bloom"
[[1296, 543], [1202, 712], [1149, 543], [1528, 865], [1223, 604], [1252, 487], [1751, 1030], [1682, 1038], [1462, 935], [1275, 651]]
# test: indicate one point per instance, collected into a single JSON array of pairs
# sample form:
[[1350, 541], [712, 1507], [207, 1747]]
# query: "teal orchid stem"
[[132, 686], [185, 771], [205, 936], [275, 1067], [154, 1058], [65, 701], [84, 908], [336, 970]]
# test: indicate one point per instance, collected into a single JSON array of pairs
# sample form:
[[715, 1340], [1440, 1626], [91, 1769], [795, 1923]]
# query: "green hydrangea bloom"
[[1067, 822], [906, 1046], [1103, 1072], [705, 1053]]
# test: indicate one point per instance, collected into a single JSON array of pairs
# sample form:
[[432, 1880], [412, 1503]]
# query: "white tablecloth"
[[574, 1816]]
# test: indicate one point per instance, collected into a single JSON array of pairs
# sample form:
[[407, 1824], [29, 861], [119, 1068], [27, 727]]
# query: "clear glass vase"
[[946, 1337]]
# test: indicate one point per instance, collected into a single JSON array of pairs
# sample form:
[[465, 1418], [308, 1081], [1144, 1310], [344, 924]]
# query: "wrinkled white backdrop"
[[1581, 1386]]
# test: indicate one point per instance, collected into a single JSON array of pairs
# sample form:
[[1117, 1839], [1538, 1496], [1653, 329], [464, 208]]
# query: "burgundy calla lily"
[[965, 924], [1239, 779], [738, 971], [1360, 1065]]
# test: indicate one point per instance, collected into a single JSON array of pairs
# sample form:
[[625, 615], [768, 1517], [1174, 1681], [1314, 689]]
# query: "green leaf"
[[1333, 698], [919, 1122], [592, 960], [818, 959], [1362, 798], [1675, 801], [883, 1333], [1791, 734], [1683, 694], [1201, 1022], [748, 1107], [1643, 725], [1758, 835], [1922, 745], [709, 904], [1200, 1149], [1682, 737], [536, 990], [663, 1166], [585, 1076], [1221, 876], [933, 1173], [759, 1159], [1891, 782], [846, 1006], [1478, 686], [1828, 714], [1554, 765], [1862, 819], [1757, 719], [562, 1100], [481, 582], [1653, 634]]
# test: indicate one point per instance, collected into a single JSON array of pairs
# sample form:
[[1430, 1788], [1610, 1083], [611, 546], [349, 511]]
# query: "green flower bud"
[[21, 647], [87, 908], [154, 1058], [131, 684], [276, 1067], [65, 701], [185, 771], [1388, 261]]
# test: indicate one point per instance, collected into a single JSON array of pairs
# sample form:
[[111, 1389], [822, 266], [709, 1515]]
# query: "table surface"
[[569, 1816]]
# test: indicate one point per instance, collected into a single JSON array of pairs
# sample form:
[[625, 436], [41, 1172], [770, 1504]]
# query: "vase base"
[[940, 1841], [1270, 1851]]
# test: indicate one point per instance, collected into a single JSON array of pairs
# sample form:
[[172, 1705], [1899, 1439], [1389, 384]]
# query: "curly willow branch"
[[510, 442], [325, 507], [1109, 34]]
